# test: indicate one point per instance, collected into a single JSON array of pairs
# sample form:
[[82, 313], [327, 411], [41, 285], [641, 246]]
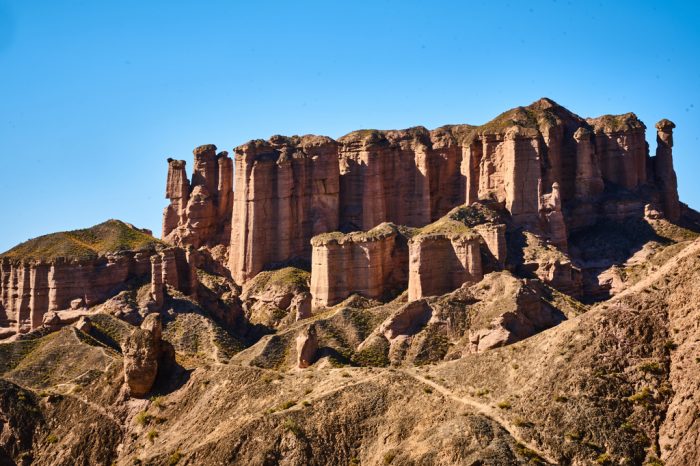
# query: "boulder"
[[142, 351], [307, 347]]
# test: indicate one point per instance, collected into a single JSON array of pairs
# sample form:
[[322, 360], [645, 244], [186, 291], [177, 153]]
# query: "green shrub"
[[51, 438], [158, 402], [389, 457], [287, 404], [291, 425], [651, 367], [152, 435], [428, 390], [504, 405], [520, 422], [143, 418], [174, 458], [642, 396]]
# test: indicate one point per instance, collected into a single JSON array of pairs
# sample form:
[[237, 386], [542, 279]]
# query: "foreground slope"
[[616, 385]]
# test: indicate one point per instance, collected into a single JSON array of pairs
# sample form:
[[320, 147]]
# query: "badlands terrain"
[[520, 292]]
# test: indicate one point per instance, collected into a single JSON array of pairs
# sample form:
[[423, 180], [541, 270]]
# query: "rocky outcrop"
[[554, 172], [664, 173], [372, 264], [30, 289], [507, 310], [550, 264], [142, 351], [448, 253], [440, 263], [307, 347], [286, 193], [276, 298], [199, 213], [621, 149]]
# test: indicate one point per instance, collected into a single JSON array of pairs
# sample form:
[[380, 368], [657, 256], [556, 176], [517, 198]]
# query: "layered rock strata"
[[30, 289], [549, 167], [372, 264]]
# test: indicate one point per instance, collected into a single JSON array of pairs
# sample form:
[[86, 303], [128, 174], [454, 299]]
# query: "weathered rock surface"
[[32, 288], [664, 173], [277, 298], [199, 213], [307, 347], [142, 351], [507, 310], [373, 264], [552, 170], [448, 253], [286, 192]]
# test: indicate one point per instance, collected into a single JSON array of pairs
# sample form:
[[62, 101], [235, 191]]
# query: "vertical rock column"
[[7, 317], [439, 264], [157, 294], [225, 196], [589, 183], [664, 173], [373, 264], [522, 174], [495, 238], [39, 299], [177, 189]]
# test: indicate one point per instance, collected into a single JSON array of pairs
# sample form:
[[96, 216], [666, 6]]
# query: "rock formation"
[[307, 346], [31, 288], [553, 171], [199, 212], [277, 298], [142, 352], [664, 172], [441, 262], [286, 192], [507, 310], [372, 264], [448, 252]]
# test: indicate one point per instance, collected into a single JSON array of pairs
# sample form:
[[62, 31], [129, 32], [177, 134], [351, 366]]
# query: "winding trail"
[[647, 281], [481, 408]]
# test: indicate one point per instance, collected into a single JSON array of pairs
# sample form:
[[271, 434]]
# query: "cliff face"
[[286, 192], [554, 171], [30, 289], [372, 264], [83, 268]]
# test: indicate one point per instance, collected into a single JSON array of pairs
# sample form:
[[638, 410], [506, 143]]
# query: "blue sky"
[[94, 96]]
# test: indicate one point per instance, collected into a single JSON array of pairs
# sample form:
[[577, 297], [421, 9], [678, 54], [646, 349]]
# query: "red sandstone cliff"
[[551, 169]]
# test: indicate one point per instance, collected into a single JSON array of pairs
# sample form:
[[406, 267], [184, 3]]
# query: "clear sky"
[[95, 95]]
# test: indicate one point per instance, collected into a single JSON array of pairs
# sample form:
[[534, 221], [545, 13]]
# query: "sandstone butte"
[[512, 293]]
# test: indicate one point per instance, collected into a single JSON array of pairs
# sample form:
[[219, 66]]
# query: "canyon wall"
[[286, 193], [30, 289], [554, 171]]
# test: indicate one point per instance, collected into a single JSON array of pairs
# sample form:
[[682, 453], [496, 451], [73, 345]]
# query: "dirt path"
[[483, 409], [647, 281]]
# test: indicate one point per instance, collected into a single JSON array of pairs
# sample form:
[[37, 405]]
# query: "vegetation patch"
[[110, 236]]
